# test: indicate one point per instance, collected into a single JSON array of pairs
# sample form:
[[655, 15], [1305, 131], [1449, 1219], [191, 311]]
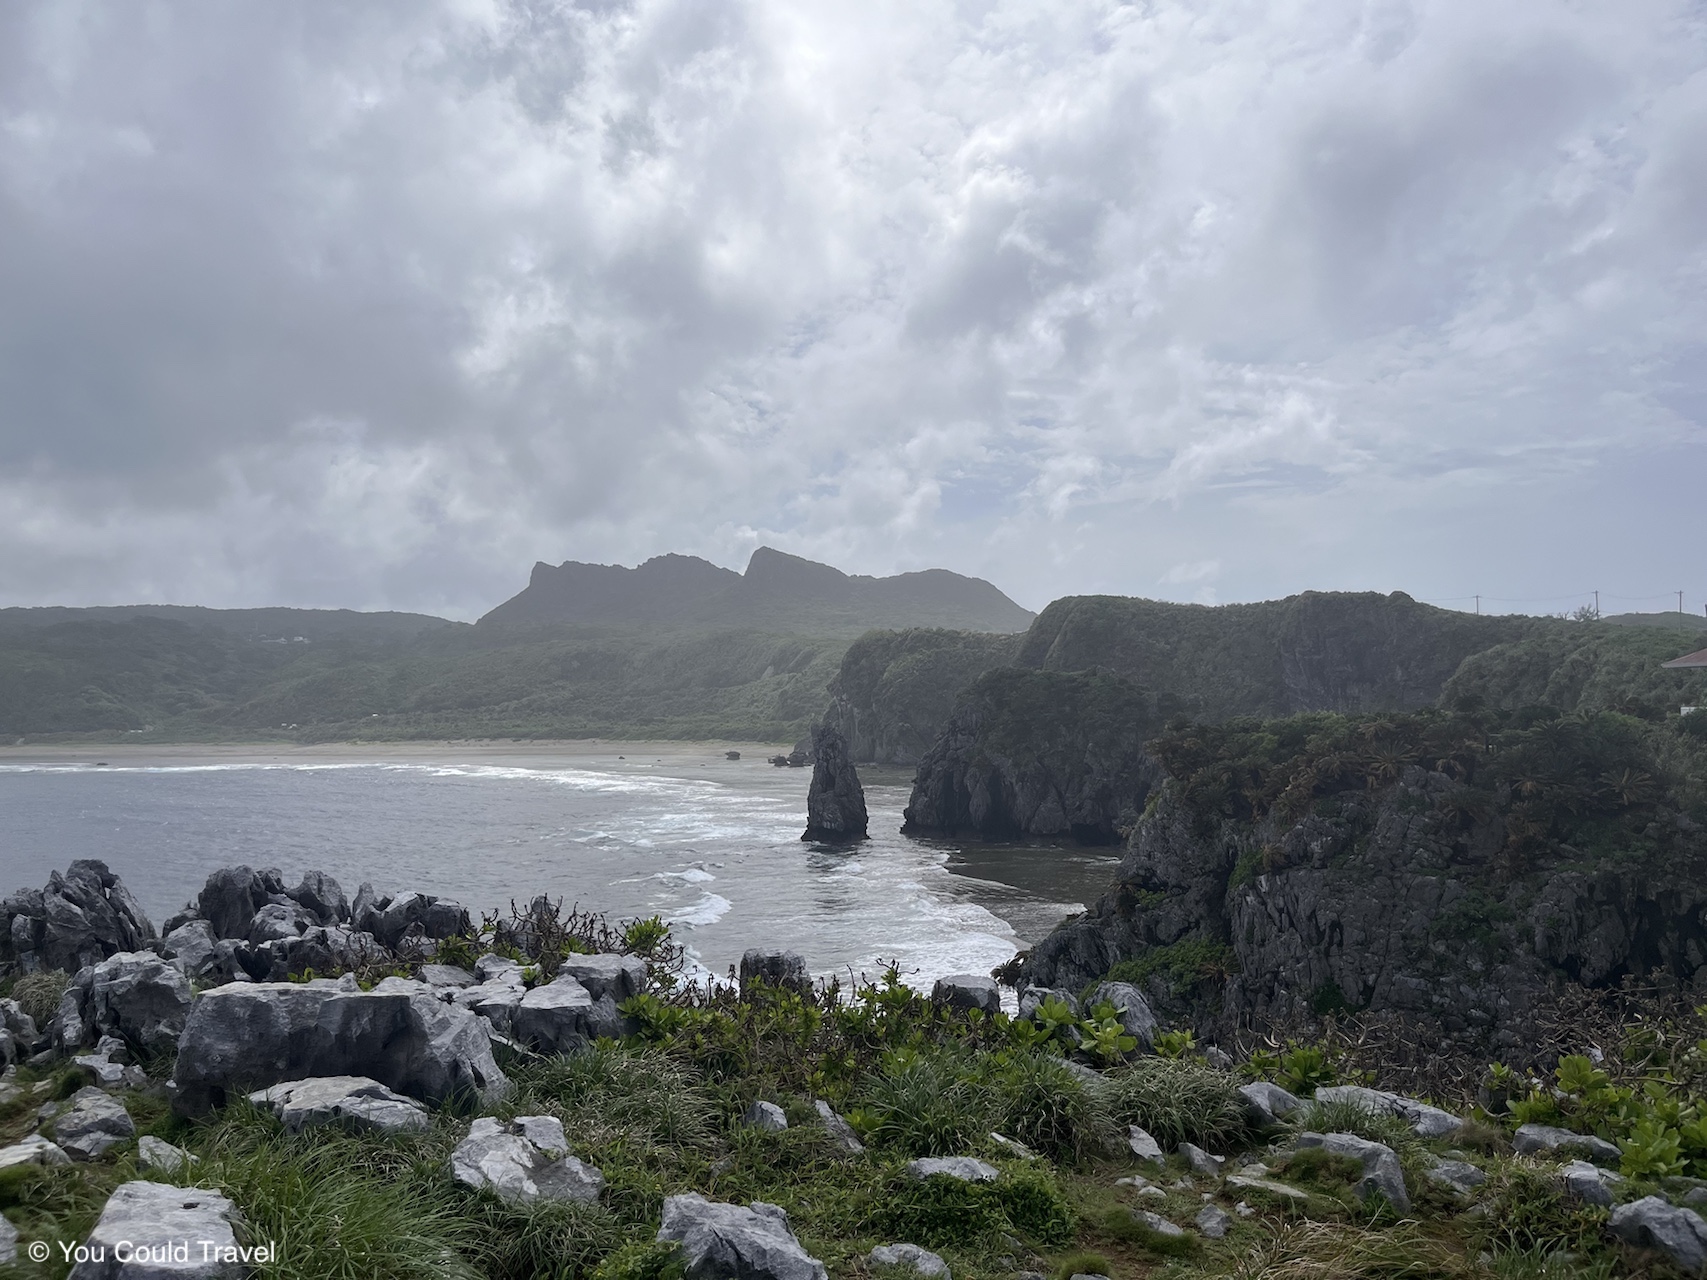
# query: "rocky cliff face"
[[1038, 753], [1313, 652], [1456, 887], [895, 690]]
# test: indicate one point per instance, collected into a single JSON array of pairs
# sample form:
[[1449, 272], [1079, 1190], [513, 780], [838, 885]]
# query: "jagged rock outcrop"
[[1458, 896], [155, 1219], [1039, 753], [78, 919], [133, 996], [835, 802], [248, 1036], [721, 1240]]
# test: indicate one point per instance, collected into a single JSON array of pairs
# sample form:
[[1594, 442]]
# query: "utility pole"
[[1680, 602], [1597, 605], [1478, 606]]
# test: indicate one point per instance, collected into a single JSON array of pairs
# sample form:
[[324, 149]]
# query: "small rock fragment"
[[921, 1261], [1201, 1161], [156, 1154], [92, 1124], [1532, 1138], [1212, 1221], [964, 1168], [1651, 1223], [1143, 1145], [765, 1115]]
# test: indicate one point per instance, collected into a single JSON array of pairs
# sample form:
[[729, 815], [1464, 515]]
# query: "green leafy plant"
[[1175, 1044]]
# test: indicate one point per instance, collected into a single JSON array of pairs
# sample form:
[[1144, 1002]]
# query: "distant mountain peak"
[[778, 592]]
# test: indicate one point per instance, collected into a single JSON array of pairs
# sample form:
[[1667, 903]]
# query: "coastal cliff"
[[1456, 870]]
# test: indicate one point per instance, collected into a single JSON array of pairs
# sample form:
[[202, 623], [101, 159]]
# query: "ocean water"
[[711, 845]]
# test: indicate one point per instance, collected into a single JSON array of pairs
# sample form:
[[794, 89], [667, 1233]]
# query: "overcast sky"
[[373, 306]]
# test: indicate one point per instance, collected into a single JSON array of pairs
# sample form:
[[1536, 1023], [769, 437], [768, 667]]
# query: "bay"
[[628, 829]]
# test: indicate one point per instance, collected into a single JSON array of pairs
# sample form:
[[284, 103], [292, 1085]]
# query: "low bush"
[[925, 1104], [1039, 1101], [1529, 1212], [38, 994], [1082, 1263], [1178, 1100]]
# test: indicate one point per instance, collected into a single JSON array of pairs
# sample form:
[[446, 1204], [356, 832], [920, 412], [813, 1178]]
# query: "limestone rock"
[[153, 1217], [962, 1168], [109, 1063], [835, 802], [1130, 1007], [557, 1017], [1266, 1105], [34, 1149], [91, 1124], [1458, 1176], [1143, 1145], [723, 1241], [1013, 1147], [528, 1159], [919, 1261], [765, 1115], [785, 969], [79, 919], [1590, 1183], [1212, 1221], [617, 977], [232, 896], [441, 976], [1651, 1223], [1425, 1121], [159, 1155], [1251, 1182], [322, 896], [1532, 1138], [964, 991], [353, 1102], [247, 1036], [496, 1000], [1381, 1172], [841, 1132], [8, 1242], [1157, 1223], [135, 996], [1200, 1161]]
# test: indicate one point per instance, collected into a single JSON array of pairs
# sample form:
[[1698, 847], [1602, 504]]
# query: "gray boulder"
[[526, 1160], [415, 915], [443, 977], [1213, 1221], [1457, 1176], [194, 948], [1590, 1183], [279, 921], [726, 1241], [232, 896], [1157, 1223], [323, 897], [1130, 1007], [775, 969], [1266, 1105], [135, 996], [34, 1149], [919, 1261], [351, 1102], [495, 1001], [91, 1123], [109, 1062], [561, 1017], [765, 1115], [961, 1168], [79, 919], [1531, 1139], [835, 802], [841, 1132], [1381, 1171], [1143, 1145], [607, 977], [247, 1036], [1200, 1161], [1425, 1121], [155, 1219], [158, 1155], [1651, 1223], [318, 947], [965, 991], [8, 1243]]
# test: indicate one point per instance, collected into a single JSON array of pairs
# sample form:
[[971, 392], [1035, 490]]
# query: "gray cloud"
[[373, 306]]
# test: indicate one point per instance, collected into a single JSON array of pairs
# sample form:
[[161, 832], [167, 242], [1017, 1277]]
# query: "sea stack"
[[835, 804]]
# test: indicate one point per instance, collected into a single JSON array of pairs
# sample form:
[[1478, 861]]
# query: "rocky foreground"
[[304, 1084]]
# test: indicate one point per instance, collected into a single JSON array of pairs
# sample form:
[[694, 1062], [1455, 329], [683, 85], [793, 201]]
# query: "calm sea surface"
[[712, 845]]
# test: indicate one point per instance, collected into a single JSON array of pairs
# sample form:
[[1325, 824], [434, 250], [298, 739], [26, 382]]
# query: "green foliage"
[[1300, 1069], [1349, 1117], [1104, 1037], [1083, 1263], [1041, 1103], [643, 937], [1319, 1168], [1125, 1226], [1178, 1100], [924, 1104], [1181, 965], [38, 994], [1176, 1044], [642, 1260], [1529, 1211]]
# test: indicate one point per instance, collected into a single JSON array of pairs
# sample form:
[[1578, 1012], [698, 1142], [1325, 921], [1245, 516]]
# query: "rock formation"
[[835, 803], [1038, 753], [80, 918]]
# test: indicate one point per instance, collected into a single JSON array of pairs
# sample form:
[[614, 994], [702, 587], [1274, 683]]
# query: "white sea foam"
[[711, 908]]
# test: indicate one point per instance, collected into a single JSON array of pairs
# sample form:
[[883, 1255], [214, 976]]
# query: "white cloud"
[[374, 307]]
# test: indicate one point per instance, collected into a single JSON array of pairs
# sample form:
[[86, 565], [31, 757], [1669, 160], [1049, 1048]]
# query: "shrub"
[[636, 1091], [1032, 1201], [1529, 1211], [1334, 1251], [642, 1260], [925, 1104], [1348, 1117], [938, 1211], [1043, 1104], [1124, 1225], [1178, 1100], [38, 994]]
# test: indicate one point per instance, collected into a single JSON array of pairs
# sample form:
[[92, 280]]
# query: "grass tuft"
[[1178, 1100], [1083, 1263]]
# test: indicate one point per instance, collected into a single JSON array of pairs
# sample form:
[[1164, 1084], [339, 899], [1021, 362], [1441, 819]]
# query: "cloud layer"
[[373, 307]]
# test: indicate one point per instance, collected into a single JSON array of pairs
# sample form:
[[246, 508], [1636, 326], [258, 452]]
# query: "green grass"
[[1178, 1100]]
